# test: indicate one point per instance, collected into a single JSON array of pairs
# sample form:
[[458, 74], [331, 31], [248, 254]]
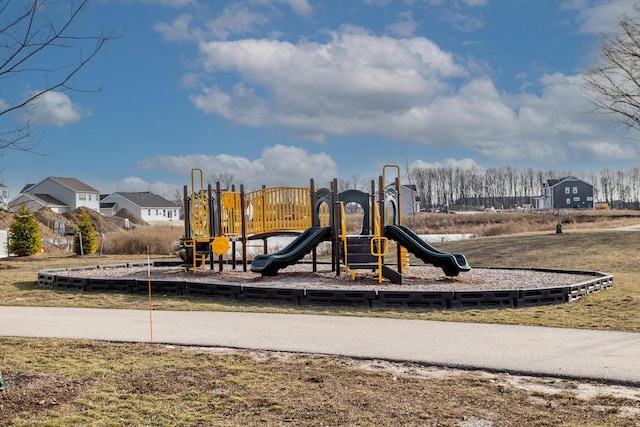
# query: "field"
[[58, 382]]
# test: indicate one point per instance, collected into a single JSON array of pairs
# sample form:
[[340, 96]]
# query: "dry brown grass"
[[78, 383], [504, 223], [157, 238]]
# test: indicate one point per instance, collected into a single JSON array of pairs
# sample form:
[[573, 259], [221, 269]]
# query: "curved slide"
[[451, 264], [268, 265]]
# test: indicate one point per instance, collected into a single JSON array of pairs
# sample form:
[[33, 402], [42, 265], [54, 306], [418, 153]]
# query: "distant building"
[[566, 193], [58, 194], [4, 195], [148, 206]]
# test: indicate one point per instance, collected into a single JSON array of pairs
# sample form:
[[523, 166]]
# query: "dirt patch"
[[101, 223], [37, 392]]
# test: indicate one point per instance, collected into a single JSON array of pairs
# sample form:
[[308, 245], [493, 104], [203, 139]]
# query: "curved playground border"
[[64, 278]]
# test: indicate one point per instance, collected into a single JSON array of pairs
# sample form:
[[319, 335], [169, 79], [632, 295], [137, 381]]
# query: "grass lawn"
[[60, 383]]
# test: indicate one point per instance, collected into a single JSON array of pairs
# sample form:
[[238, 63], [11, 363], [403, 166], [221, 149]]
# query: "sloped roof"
[[146, 199], [48, 200], [74, 184], [43, 199], [554, 182], [26, 188]]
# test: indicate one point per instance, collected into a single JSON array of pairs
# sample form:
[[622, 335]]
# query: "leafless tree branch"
[[613, 85], [40, 50]]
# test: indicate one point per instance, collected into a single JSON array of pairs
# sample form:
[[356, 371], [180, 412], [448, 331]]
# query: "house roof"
[[74, 184], [146, 199], [554, 182], [48, 200], [26, 187], [43, 199]]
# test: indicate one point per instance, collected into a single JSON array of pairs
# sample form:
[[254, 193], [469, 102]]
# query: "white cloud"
[[340, 86], [301, 7], [601, 18], [54, 108], [405, 25], [178, 30], [134, 183], [408, 89], [171, 3], [447, 163], [277, 166], [235, 19]]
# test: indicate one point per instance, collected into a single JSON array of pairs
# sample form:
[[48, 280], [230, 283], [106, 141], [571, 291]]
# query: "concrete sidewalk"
[[568, 353]]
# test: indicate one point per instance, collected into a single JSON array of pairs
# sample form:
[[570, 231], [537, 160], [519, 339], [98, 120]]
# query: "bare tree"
[[613, 85], [40, 47], [226, 180]]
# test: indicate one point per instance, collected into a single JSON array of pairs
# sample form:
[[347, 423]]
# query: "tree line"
[[509, 187]]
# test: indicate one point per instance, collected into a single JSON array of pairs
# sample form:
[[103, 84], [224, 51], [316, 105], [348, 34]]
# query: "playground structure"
[[217, 220]]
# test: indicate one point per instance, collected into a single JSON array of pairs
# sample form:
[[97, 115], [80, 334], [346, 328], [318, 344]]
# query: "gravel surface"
[[301, 276]]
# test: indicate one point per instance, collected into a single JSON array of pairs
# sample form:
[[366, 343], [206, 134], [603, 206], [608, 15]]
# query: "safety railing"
[[266, 210]]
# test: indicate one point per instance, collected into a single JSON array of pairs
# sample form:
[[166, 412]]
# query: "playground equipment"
[[217, 222]]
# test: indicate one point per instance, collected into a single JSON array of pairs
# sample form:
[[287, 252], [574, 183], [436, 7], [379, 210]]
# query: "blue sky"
[[280, 91]]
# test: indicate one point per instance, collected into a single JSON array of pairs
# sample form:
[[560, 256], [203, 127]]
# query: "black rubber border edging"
[[63, 278]]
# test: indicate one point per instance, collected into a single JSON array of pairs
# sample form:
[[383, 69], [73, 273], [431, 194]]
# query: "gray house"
[[148, 206], [59, 194], [566, 193]]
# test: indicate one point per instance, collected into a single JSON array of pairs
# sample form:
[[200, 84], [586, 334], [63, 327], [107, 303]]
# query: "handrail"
[[343, 230], [267, 210], [382, 248]]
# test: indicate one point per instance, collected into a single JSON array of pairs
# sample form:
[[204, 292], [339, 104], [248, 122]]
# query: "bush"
[[85, 240], [25, 238]]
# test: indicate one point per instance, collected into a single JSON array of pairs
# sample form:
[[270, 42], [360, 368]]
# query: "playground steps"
[[359, 258]]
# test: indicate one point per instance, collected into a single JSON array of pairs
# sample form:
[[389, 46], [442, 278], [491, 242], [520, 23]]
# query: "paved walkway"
[[581, 354]]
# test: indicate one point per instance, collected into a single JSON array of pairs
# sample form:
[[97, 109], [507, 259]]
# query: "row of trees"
[[509, 187]]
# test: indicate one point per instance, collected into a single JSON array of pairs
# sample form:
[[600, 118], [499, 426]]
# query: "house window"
[[149, 212], [576, 199], [157, 212], [568, 201], [589, 199], [567, 190], [575, 190], [82, 196]]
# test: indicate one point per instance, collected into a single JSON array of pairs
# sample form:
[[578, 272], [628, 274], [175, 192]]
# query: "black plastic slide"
[[268, 265], [451, 264]]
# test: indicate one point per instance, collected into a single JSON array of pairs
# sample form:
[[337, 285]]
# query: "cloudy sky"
[[279, 91]]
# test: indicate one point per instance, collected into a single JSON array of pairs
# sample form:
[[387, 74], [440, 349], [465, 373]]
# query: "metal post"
[[243, 229]]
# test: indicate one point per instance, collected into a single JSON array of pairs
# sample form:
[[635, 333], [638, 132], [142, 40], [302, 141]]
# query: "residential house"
[[59, 194], [148, 206], [566, 193], [4, 195], [409, 199]]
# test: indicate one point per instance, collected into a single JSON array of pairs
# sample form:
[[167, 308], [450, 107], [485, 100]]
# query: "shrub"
[[25, 238], [85, 240]]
